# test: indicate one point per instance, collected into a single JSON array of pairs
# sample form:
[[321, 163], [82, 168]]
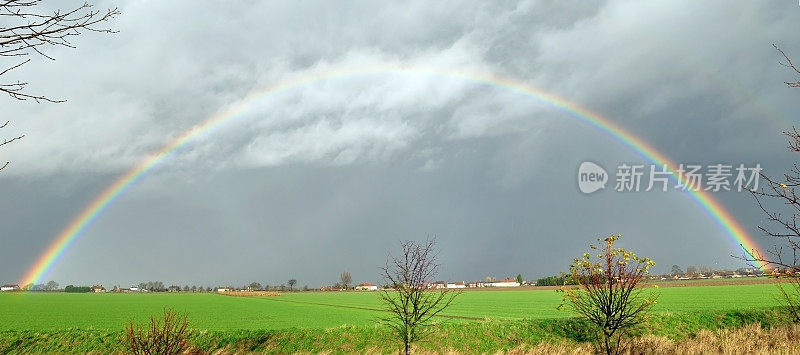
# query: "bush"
[[167, 335]]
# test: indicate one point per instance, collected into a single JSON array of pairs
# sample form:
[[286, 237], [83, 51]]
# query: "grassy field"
[[346, 322], [54, 311]]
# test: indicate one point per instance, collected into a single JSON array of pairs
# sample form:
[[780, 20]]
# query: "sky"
[[330, 174]]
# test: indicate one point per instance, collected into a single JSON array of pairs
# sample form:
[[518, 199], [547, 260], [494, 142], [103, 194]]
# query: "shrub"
[[608, 292], [165, 335]]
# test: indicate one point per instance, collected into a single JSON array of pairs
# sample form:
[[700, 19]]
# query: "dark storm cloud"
[[327, 176]]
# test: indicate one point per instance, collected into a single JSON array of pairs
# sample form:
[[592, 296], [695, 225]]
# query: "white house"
[[503, 283], [437, 285], [224, 289], [9, 287], [366, 287], [457, 284]]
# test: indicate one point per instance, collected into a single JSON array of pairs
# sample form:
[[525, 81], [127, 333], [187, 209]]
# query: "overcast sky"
[[329, 175]]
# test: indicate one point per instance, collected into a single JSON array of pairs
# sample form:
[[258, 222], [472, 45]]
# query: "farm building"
[[366, 287], [97, 288], [503, 283], [437, 285], [9, 287], [457, 284], [224, 289]]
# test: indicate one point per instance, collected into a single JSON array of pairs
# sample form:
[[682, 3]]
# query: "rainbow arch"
[[90, 213]]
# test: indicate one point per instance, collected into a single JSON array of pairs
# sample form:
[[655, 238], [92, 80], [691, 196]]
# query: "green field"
[[53, 311], [347, 322]]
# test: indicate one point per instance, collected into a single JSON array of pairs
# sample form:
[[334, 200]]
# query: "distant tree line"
[[256, 286], [49, 286], [159, 286], [555, 281], [154, 286], [77, 289], [704, 270]]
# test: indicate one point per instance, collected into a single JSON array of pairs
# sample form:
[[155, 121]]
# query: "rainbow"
[[68, 235]]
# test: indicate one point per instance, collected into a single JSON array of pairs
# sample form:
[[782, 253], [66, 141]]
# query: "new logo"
[[591, 177]]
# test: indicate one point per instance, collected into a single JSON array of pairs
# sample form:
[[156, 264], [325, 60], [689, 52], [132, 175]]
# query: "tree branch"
[[25, 32]]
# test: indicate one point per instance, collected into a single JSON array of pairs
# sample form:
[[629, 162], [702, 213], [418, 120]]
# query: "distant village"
[[691, 273], [509, 282]]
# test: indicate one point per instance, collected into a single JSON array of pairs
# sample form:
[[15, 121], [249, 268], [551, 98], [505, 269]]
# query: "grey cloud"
[[328, 175]]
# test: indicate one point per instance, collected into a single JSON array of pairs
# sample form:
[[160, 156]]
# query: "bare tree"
[[345, 278], [409, 300], [26, 30], [51, 286], [608, 293], [782, 192], [778, 197], [780, 204]]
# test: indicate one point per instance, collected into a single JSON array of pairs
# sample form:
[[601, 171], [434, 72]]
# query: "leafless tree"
[[345, 278], [781, 206], [51, 286], [409, 301], [27, 30], [781, 192]]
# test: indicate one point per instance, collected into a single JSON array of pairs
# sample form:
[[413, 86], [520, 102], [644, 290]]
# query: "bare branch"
[[788, 64], [7, 141], [25, 31], [782, 260], [783, 257]]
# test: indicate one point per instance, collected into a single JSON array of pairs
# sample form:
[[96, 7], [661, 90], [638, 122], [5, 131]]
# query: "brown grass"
[[251, 293], [752, 339]]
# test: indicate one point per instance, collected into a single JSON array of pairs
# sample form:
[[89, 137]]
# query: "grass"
[[480, 321], [54, 311], [468, 337]]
